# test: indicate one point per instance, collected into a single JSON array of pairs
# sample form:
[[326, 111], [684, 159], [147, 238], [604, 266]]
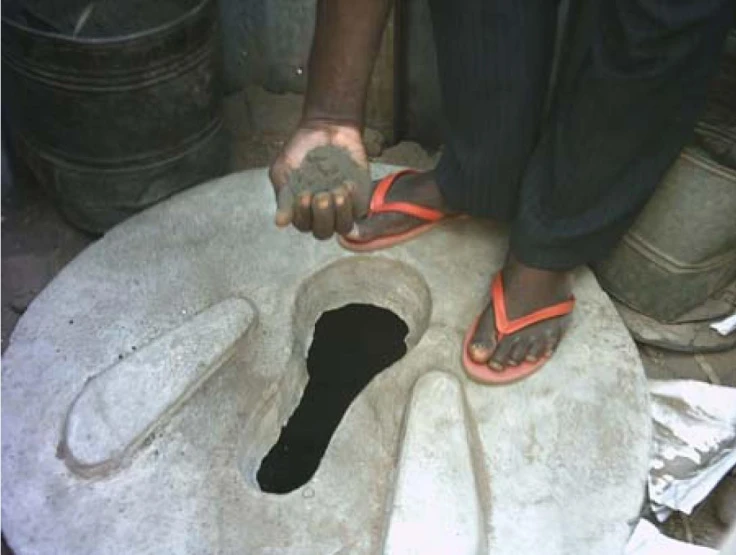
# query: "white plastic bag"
[[694, 443]]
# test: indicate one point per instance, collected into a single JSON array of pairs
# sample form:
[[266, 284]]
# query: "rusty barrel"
[[113, 123]]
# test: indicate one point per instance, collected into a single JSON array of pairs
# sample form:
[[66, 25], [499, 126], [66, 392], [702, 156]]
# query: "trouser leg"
[[494, 59], [632, 83]]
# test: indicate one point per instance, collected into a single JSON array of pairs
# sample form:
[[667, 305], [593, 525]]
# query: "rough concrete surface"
[[565, 452]]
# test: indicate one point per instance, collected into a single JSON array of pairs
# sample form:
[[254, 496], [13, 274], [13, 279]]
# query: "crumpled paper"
[[694, 443]]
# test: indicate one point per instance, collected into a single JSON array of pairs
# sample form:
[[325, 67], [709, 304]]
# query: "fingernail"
[[339, 200]]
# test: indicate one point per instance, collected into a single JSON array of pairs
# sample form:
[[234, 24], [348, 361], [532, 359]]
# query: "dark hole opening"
[[351, 345]]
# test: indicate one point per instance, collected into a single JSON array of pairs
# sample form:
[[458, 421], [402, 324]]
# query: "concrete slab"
[[565, 452]]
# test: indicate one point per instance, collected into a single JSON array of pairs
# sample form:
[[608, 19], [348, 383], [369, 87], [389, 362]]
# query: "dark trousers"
[[570, 180]]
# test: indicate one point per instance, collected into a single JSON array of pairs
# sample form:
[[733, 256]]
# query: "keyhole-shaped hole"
[[351, 345]]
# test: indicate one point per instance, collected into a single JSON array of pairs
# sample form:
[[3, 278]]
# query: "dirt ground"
[[37, 243]]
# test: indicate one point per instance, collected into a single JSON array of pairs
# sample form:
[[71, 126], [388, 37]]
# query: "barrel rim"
[[193, 13]]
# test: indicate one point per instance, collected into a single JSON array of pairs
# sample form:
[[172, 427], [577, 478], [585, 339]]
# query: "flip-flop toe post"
[[429, 217], [481, 372]]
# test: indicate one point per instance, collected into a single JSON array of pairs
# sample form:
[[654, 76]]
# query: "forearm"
[[346, 41]]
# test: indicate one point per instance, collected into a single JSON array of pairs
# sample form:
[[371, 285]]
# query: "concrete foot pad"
[[436, 507], [117, 409]]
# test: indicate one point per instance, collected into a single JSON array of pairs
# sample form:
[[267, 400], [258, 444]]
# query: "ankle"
[[516, 272]]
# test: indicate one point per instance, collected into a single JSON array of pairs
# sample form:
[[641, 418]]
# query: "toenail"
[[531, 358], [496, 366]]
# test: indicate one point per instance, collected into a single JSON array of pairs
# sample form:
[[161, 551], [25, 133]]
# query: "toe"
[[551, 340], [537, 349], [484, 341], [518, 352], [480, 352], [500, 357]]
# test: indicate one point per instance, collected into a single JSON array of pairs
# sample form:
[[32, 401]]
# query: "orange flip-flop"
[[431, 217], [480, 372]]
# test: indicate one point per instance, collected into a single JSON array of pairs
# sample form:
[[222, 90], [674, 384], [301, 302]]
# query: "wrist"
[[314, 118], [335, 127]]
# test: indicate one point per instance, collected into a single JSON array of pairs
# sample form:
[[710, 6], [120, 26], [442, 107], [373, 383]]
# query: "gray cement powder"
[[326, 168]]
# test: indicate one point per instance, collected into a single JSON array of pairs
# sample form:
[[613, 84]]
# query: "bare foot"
[[526, 290], [420, 189]]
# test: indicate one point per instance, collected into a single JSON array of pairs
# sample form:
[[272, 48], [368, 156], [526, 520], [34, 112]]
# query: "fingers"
[[302, 219], [360, 200], [342, 201], [284, 207], [323, 216], [321, 213]]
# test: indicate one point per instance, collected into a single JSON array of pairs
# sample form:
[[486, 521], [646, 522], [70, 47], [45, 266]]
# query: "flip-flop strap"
[[380, 205], [504, 326]]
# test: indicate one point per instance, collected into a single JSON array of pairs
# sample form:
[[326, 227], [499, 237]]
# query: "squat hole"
[[350, 346]]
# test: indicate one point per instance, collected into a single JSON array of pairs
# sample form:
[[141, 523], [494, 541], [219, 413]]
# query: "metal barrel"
[[111, 125]]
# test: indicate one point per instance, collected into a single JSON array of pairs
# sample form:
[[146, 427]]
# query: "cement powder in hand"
[[326, 168]]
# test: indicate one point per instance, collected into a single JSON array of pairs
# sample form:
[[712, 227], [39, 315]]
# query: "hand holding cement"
[[321, 179]]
